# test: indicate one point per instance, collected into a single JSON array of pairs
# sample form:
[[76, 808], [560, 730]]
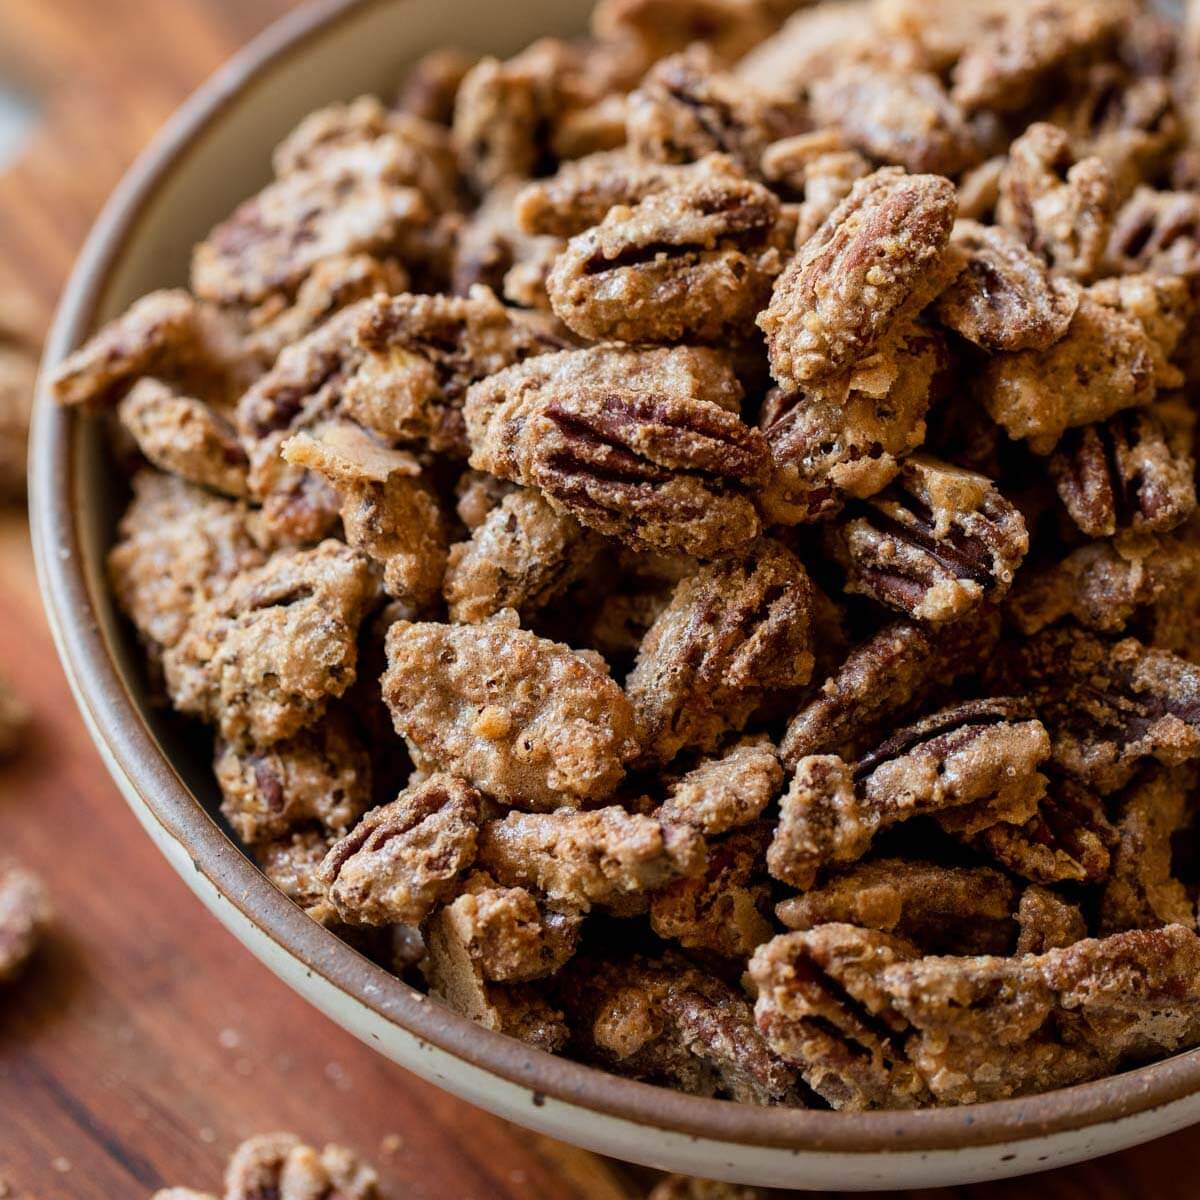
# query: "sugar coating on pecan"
[[1047, 921], [526, 720], [280, 1164], [263, 657], [25, 915], [668, 1021], [734, 632], [725, 793], [695, 262], [941, 909], [820, 1008], [388, 511], [293, 864], [973, 764], [875, 259], [1141, 891], [603, 856], [177, 547], [523, 555], [936, 545], [1156, 231], [654, 468], [404, 858], [184, 436]]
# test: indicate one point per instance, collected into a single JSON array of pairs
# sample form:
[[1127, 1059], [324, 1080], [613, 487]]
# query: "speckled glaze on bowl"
[[214, 152]]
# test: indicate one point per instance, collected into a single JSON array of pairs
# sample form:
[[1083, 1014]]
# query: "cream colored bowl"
[[213, 153]]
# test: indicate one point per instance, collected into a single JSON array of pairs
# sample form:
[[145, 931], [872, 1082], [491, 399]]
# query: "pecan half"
[[734, 632], [1005, 298], [819, 1009], [876, 259], [727, 792], [279, 1164], [1134, 470], [293, 864], [695, 262], [1047, 921], [1157, 231], [935, 545]]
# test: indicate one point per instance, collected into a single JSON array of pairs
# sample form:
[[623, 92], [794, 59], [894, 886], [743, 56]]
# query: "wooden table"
[[146, 1042]]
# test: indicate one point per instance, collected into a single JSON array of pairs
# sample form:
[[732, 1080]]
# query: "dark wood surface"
[[145, 1042]]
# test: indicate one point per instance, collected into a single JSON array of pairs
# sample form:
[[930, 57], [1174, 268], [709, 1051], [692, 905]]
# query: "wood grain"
[[146, 1042]]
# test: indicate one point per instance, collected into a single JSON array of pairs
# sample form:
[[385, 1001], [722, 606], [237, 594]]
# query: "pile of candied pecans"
[[823, 373]]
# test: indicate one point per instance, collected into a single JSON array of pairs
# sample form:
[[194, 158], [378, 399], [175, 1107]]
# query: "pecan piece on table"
[[1141, 891], [941, 909], [820, 1009], [973, 764], [1060, 208], [280, 1164], [1005, 298], [1108, 705], [320, 776], [524, 554], [725, 793], [879, 257], [694, 262], [935, 545], [404, 858], [734, 632], [605, 856], [388, 511], [25, 914], [894, 116], [643, 462], [1134, 470], [667, 1021], [262, 659], [883, 678], [526, 720], [1158, 232]]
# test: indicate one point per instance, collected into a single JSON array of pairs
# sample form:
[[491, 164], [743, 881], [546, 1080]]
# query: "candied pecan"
[[388, 512], [883, 678], [875, 260], [184, 436], [477, 493], [25, 914], [734, 632], [667, 1021], [177, 547], [432, 83], [989, 1028], [422, 353], [1141, 891], [721, 910], [507, 933], [1059, 207], [1108, 705], [1005, 64], [353, 198], [934, 545], [1163, 305], [1135, 470], [695, 261], [167, 334], [322, 776], [819, 1008], [972, 764], [293, 862], [727, 792], [1066, 841], [577, 859], [1105, 585], [944, 910], [1047, 921], [523, 555], [817, 166], [662, 27], [526, 720], [1158, 232], [279, 1164], [615, 440], [1005, 298], [979, 190], [404, 858], [263, 657], [894, 116], [847, 436], [687, 107], [944, 29]]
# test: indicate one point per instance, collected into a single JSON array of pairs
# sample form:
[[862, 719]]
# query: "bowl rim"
[[131, 751]]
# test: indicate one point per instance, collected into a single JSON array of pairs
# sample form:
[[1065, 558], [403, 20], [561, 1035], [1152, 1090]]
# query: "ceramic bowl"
[[214, 152]]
